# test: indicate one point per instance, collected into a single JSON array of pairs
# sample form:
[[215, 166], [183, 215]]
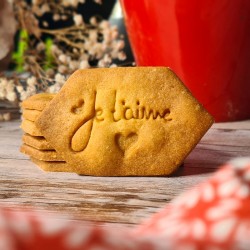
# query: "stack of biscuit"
[[124, 121], [34, 143]]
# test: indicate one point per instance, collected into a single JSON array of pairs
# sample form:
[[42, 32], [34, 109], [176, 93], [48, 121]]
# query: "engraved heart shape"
[[124, 142]]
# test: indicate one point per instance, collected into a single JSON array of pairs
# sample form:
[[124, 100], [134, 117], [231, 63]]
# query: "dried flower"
[[121, 56], [84, 64], [104, 24], [119, 45], [50, 73], [7, 90], [45, 8], [78, 20], [56, 17], [37, 2], [98, 1], [93, 36], [62, 69], [31, 81], [63, 58], [73, 3], [93, 20], [51, 61], [45, 24], [74, 65], [59, 78], [40, 46], [64, 17]]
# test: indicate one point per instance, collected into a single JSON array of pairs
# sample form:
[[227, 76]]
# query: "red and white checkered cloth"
[[214, 215]]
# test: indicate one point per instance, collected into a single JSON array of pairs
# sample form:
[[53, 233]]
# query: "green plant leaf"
[[49, 59], [18, 55]]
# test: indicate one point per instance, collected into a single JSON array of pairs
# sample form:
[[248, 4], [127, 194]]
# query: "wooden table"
[[122, 200]]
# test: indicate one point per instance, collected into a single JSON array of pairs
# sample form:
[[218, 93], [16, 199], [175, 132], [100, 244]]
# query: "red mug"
[[207, 44]]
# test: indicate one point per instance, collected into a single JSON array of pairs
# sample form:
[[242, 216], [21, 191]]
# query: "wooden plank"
[[238, 125], [125, 200], [122, 200], [7, 108], [227, 137]]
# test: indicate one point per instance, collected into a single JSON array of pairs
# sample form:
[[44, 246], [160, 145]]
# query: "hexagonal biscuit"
[[52, 166], [37, 142], [42, 155], [30, 128], [38, 101], [135, 121], [31, 114]]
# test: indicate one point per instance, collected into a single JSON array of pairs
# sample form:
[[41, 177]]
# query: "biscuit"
[[42, 155], [37, 142], [134, 121], [38, 101], [30, 128], [53, 166], [30, 114]]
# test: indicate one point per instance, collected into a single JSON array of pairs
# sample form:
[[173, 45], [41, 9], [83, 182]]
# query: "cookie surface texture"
[[134, 121]]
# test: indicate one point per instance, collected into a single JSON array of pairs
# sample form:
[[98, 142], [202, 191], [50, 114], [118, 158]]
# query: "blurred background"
[[43, 42], [205, 42]]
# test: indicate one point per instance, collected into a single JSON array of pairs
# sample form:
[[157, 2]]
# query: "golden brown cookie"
[[52, 166], [30, 128], [38, 101], [134, 121], [42, 155], [37, 142], [30, 114]]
